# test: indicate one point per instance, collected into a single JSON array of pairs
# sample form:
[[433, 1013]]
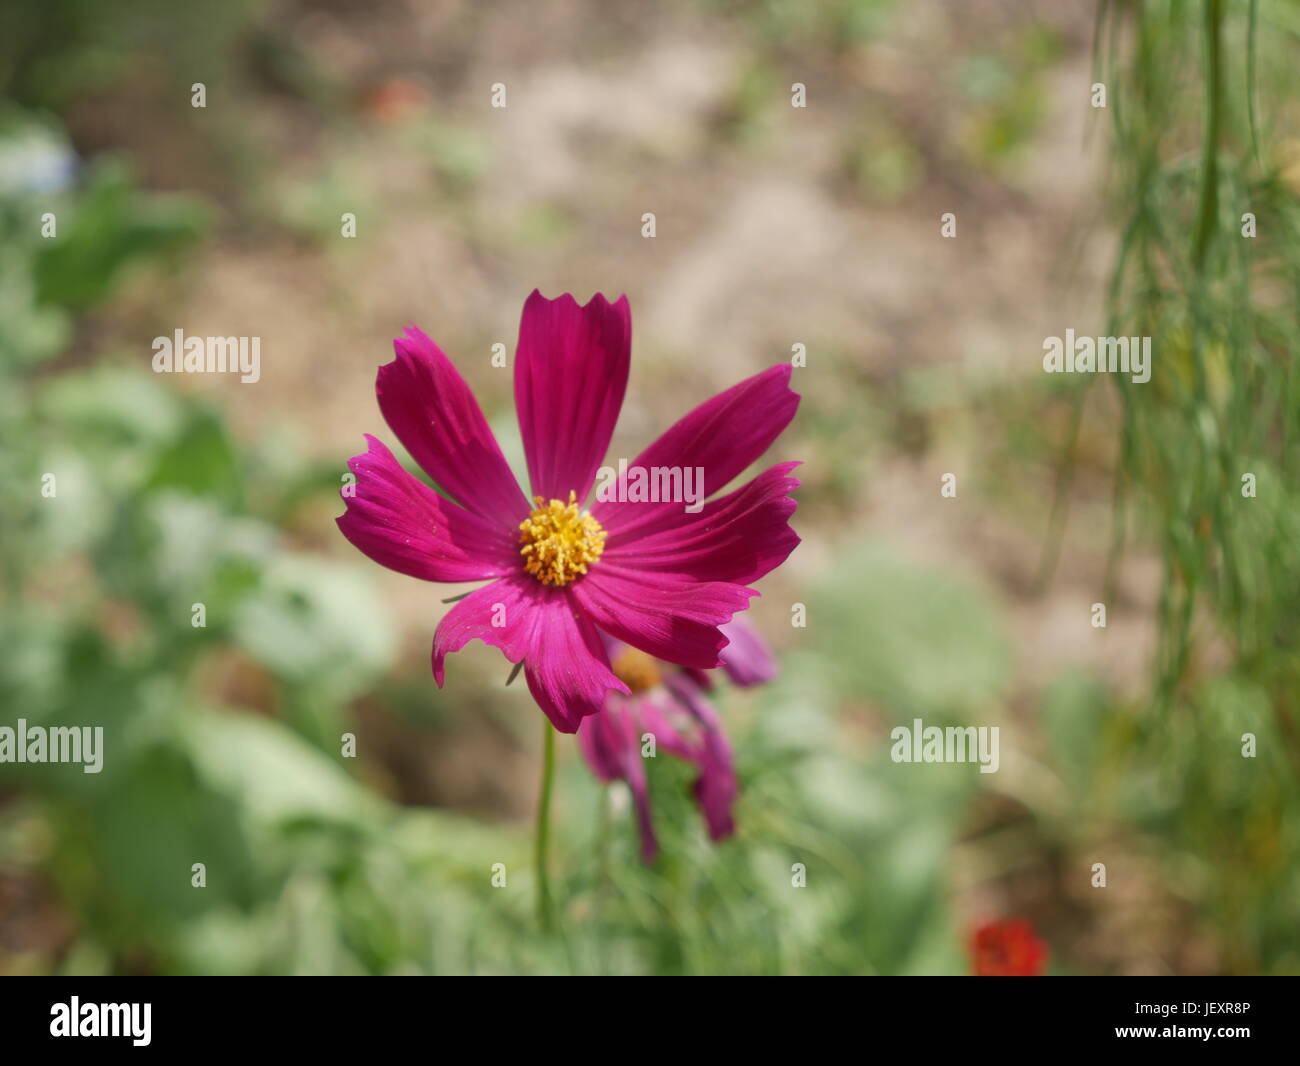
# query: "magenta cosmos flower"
[[650, 575], [670, 704]]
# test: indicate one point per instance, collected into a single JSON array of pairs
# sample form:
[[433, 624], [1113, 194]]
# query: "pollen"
[[637, 670], [559, 542]]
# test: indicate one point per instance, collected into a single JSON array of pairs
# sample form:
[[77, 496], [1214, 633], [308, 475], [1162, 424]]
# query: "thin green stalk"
[[1061, 499], [603, 882], [1252, 25], [1209, 206], [542, 837]]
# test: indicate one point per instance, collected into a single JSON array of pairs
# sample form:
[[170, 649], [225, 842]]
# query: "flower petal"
[[716, 787], [401, 523], [497, 614], [434, 414], [746, 659], [738, 537], [722, 436], [604, 740], [668, 617], [571, 369], [640, 787], [566, 666], [611, 744], [568, 673], [657, 709]]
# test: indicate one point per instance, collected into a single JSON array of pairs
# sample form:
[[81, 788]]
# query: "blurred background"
[[775, 226]]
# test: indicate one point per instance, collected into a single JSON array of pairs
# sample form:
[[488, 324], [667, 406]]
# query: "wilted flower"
[[651, 575], [1008, 948], [668, 706]]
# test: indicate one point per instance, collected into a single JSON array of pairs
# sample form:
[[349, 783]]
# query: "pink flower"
[[671, 706], [650, 575]]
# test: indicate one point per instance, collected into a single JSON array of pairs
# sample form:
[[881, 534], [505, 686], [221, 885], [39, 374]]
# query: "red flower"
[[1008, 948]]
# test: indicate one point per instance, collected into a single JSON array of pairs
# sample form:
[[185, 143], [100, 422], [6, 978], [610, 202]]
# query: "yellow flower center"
[[637, 670], [559, 542]]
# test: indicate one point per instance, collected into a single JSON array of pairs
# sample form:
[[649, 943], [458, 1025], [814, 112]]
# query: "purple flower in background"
[[671, 704], [652, 575]]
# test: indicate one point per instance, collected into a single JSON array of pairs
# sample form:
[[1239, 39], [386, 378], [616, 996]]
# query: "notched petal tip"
[[438, 658], [785, 372], [412, 345], [433, 412], [598, 301], [355, 465], [571, 370]]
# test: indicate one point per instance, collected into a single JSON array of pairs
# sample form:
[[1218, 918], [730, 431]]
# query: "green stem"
[[602, 877], [545, 908], [1209, 206], [1250, 78]]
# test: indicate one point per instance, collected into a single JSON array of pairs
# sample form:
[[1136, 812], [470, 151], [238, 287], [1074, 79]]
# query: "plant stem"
[[1209, 206], [545, 908]]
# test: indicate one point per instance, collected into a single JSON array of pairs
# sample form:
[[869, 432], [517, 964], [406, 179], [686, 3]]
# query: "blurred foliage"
[[109, 228], [837, 24], [1226, 400], [1199, 101], [1006, 93]]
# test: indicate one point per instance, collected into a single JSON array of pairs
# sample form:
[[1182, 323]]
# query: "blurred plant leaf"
[[113, 226]]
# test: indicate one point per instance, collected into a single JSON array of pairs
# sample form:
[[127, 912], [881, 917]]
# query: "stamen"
[[559, 542], [637, 670]]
